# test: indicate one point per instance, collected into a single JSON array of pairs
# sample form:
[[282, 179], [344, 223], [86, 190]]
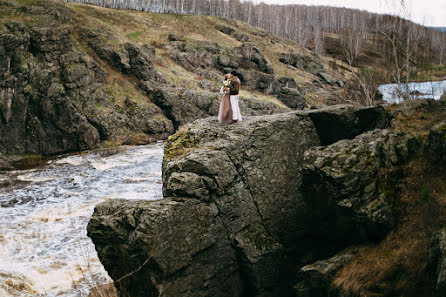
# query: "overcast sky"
[[426, 12]]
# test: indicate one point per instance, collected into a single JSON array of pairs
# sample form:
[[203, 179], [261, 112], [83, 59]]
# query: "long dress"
[[225, 110]]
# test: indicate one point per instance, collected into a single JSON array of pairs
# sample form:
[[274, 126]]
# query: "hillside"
[[78, 76], [396, 44]]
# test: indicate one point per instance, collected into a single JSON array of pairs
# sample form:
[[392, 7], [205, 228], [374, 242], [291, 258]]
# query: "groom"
[[234, 88]]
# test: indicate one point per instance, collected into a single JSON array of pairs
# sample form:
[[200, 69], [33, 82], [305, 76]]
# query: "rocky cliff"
[[248, 208], [246, 205], [76, 76]]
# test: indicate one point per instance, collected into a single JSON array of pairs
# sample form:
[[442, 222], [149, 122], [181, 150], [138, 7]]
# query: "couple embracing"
[[229, 111]]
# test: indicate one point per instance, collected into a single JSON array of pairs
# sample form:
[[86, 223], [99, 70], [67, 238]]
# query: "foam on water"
[[44, 248]]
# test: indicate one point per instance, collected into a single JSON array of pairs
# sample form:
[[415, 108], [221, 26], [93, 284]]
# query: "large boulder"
[[141, 65], [292, 98], [232, 192], [327, 78], [226, 169], [163, 244]]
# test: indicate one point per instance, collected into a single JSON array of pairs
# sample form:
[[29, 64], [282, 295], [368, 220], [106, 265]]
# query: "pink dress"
[[225, 110]]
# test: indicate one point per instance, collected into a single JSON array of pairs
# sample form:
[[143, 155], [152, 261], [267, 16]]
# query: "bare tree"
[[351, 41]]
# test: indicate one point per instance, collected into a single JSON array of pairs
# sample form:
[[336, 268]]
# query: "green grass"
[[134, 35]]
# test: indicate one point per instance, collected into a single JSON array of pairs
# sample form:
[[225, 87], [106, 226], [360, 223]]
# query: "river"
[[44, 211], [422, 90]]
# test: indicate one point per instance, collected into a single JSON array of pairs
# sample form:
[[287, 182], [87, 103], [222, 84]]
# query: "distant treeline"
[[308, 25]]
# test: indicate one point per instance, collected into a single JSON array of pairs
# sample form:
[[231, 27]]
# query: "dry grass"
[[399, 265], [256, 95], [420, 119], [152, 28]]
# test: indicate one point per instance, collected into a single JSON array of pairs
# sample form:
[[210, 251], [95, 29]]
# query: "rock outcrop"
[[67, 86], [236, 219], [55, 98], [341, 187]]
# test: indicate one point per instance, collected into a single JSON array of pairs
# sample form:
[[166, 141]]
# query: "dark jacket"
[[234, 86]]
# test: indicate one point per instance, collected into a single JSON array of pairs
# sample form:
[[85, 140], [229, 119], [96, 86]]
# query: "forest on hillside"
[[362, 39], [304, 24]]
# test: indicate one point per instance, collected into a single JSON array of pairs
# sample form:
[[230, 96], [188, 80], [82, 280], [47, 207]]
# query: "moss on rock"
[[180, 144]]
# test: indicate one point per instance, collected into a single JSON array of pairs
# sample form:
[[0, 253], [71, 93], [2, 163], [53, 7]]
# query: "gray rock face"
[[183, 106], [436, 143], [226, 171], [37, 115], [327, 78], [345, 122], [438, 252], [292, 98], [191, 263], [341, 188], [235, 192], [246, 61], [55, 98], [310, 64], [140, 60]]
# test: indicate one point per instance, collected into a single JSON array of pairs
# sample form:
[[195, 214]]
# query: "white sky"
[[426, 12]]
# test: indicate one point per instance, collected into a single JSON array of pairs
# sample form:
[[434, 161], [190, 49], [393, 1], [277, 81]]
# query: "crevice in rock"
[[101, 132], [247, 275], [241, 173], [157, 97]]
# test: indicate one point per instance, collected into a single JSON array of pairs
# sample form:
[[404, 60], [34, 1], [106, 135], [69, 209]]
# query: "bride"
[[229, 111]]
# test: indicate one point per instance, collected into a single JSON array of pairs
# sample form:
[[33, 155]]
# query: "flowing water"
[[421, 90], [44, 248]]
